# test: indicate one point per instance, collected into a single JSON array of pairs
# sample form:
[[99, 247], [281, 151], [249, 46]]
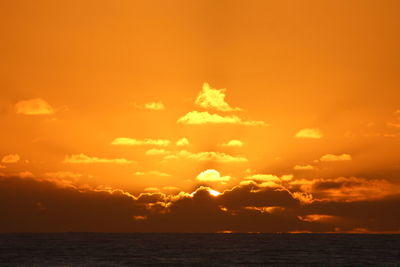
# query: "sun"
[[213, 192]]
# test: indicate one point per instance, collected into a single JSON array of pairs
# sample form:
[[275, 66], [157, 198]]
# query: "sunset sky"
[[200, 116]]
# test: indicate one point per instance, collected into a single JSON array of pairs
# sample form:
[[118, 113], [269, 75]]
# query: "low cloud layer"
[[48, 205]]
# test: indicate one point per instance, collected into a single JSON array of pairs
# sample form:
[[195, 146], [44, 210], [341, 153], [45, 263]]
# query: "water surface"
[[151, 249]]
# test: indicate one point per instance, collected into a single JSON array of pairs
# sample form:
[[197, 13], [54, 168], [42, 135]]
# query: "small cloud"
[[139, 217], [154, 105], [393, 124], [211, 175], [152, 173], [124, 141], [151, 189], [35, 106], [196, 117], [263, 178], [316, 217], [82, 158], [183, 142], [303, 167], [2, 166], [25, 174], [267, 180], [312, 133], [331, 157], [11, 158], [206, 156], [269, 177], [156, 152], [210, 98], [233, 143], [171, 188], [63, 175]]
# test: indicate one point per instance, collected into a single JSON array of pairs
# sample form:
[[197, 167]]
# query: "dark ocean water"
[[132, 249]]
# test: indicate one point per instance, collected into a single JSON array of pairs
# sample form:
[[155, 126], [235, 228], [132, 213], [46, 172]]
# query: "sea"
[[159, 249]]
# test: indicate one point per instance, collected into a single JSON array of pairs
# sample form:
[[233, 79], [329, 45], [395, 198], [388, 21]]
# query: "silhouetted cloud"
[[48, 204]]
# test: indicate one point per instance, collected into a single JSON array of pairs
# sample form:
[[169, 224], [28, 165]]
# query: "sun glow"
[[213, 192], [228, 121]]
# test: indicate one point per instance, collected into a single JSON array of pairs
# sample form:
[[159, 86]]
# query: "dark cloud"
[[31, 205]]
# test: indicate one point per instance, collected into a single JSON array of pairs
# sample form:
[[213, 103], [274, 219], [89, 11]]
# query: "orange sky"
[[289, 109]]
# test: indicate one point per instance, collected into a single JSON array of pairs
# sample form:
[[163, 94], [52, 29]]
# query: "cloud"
[[316, 217], [64, 175], [332, 157], [35, 106], [309, 133], [196, 117], [2, 166], [82, 158], [263, 178], [233, 143], [303, 167], [206, 156], [171, 188], [11, 158], [152, 173], [154, 105], [182, 142], [211, 175], [393, 124], [151, 189], [268, 180], [210, 98], [345, 188], [156, 151], [124, 141], [25, 174], [45, 206]]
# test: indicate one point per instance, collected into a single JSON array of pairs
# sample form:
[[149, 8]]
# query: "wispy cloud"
[[332, 157], [155, 105], [303, 167], [11, 158], [312, 133], [152, 173], [124, 141], [197, 117], [82, 158], [63, 174], [206, 156], [35, 106]]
